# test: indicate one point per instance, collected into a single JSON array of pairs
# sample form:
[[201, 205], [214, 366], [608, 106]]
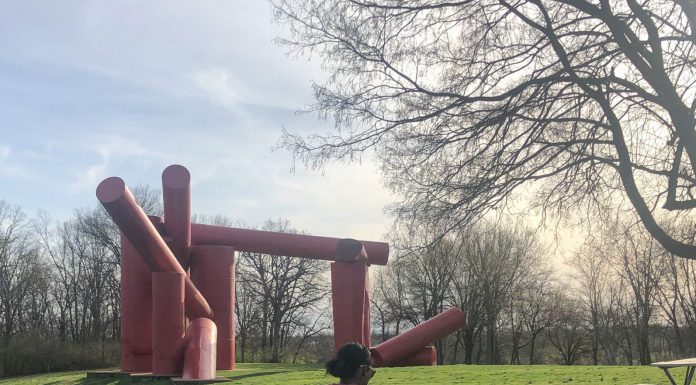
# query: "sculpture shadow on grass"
[[258, 374], [111, 381]]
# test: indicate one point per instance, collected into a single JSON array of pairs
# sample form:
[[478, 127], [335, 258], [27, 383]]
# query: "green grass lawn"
[[277, 374]]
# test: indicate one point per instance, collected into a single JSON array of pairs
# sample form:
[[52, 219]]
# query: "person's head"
[[352, 364]]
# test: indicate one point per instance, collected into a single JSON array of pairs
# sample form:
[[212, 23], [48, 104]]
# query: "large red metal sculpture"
[[178, 280]]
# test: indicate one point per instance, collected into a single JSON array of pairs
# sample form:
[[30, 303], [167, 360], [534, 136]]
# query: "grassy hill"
[[277, 374]]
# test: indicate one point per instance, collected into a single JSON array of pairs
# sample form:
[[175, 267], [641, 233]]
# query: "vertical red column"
[[176, 192], [367, 320], [169, 332], [212, 271], [136, 311], [349, 296]]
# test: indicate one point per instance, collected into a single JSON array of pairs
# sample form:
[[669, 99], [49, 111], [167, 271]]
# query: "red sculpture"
[[412, 341], [174, 271]]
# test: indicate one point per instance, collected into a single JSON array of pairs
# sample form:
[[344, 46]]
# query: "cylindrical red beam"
[[212, 271], [426, 357], [413, 340], [348, 293], [176, 192], [169, 333], [136, 311], [137, 228], [285, 244], [199, 360]]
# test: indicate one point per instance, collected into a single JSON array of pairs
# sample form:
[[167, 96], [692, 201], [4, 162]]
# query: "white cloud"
[[345, 201], [10, 167], [218, 85]]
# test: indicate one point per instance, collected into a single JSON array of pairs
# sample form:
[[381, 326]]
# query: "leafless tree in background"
[[248, 319], [593, 275], [501, 256], [477, 270], [427, 269], [568, 334], [20, 269], [389, 298], [287, 291], [464, 102], [642, 261], [533, 308]]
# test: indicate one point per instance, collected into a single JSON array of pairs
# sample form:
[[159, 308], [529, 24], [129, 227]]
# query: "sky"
[[92, 89]]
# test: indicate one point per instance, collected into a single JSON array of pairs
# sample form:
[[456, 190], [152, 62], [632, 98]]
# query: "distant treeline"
[[621, 300], [625, 302]]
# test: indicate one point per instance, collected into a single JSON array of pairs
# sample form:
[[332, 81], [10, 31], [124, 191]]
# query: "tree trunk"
[[491, 345], [679, 338], [468, 345], [515, 349], [275, 357], [595, 346], [532, 347]]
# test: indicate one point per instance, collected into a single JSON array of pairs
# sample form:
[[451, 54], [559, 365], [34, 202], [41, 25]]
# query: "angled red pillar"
[[415, 339], [348, 292], [291, 245], [199, 359], [169, 331], [426, 357], [176, 191], [212, 271], [142, 234], [136, 311]]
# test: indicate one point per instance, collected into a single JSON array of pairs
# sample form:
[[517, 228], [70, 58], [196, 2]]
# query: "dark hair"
[[348, 360]]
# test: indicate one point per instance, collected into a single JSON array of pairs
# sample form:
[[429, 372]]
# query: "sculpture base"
[[107, 374], [181, 381], [149, 377]]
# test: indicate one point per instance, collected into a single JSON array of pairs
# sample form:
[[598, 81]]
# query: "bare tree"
[[465, 102], [533, 309], [465, 294], [84, 255], [426, 267], [670, 291], [501, 256], [613, 321], [248, 318], [20, 270], [477, 271], [686, 297], [601, 294], [592, 274], [568, 335], [389, 298], [289, 292], [642, 269]]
